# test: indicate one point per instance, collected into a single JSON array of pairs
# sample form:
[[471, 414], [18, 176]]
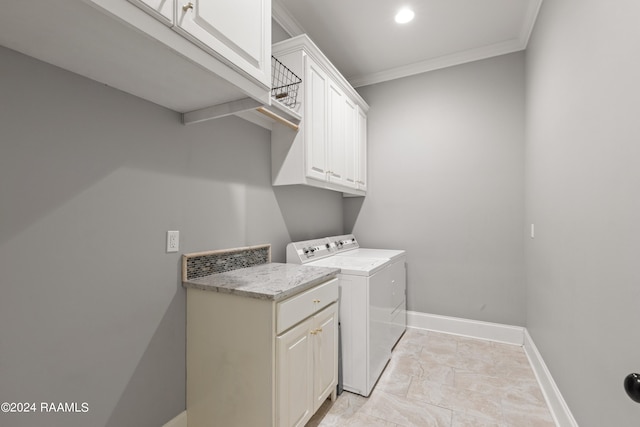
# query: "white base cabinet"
[[255, 362], [329, 150], [307, 367]]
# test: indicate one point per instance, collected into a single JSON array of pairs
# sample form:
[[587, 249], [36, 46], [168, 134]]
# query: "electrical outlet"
[[173, 241]]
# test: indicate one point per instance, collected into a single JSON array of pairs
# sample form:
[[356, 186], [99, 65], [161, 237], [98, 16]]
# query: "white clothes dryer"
[[347, 246]]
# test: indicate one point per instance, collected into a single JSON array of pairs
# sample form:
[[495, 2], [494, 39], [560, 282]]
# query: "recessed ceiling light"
[[404, 16]]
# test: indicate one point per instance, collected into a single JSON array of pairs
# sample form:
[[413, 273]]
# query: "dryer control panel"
[[344, 243], [309, 250]]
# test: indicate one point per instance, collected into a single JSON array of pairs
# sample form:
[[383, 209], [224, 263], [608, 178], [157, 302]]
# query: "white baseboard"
[[515, 335], [470, 328], [559, 409], [508, 334], [179, 421]]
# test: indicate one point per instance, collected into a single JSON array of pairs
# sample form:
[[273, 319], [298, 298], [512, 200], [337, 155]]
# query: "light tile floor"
[[436, 379]]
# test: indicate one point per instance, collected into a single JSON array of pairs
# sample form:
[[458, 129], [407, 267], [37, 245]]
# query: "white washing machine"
[[347, 246], [366, 307]]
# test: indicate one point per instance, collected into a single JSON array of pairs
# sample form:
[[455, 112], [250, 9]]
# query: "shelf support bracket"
[[221, 110]]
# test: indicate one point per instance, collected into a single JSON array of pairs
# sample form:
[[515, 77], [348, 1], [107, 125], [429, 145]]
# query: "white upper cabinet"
[[237, 30], [161, 9], [352, 143], [185, 56], [315, 132], [361, 152], [335, 124], [329, 151]]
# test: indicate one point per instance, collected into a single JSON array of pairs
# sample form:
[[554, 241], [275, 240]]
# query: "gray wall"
[[583, 184], [446, 184], [91, 307], [278, 33]]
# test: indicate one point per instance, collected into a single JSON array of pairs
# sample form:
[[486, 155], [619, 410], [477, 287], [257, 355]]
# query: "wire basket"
[[284, 83]]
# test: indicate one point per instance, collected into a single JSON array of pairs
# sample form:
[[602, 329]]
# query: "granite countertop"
[[272, 281]]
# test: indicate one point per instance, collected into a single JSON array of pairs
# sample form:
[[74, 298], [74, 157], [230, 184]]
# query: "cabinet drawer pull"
[[187, 6], [316, 301], [316, 331]]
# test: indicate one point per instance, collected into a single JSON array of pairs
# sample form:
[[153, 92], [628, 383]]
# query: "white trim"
[[458, 58], [515, 335], [470, 328], [529, 21], [284, 18], [559, 410], [179, 421], [304, 43]]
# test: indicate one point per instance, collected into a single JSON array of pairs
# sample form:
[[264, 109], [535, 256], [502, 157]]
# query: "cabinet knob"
[[187, 6], [316, 301]]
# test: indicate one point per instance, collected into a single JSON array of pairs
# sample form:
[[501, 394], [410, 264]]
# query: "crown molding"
[[304, 43], [459, 58], [282, 16], [438, 63], [529, 21]]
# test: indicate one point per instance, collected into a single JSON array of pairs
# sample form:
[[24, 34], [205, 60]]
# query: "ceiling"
[[361, 38]]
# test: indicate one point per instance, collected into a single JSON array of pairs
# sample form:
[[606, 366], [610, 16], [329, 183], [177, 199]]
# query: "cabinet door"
[[315, 117], [336, 134], [351, 143], [237, 31], [325, 353], [160, 9], [294, 387], [362, 150]]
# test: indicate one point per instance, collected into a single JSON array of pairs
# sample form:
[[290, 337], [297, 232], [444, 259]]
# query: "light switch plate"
[[173, 241]]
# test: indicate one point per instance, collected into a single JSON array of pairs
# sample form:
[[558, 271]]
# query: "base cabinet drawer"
[[299, 307]]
